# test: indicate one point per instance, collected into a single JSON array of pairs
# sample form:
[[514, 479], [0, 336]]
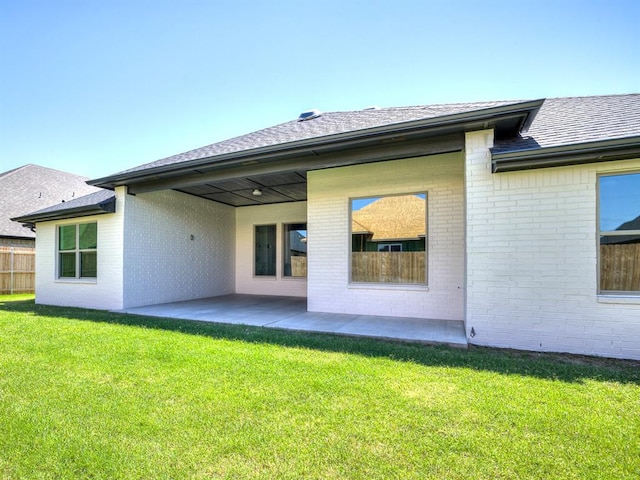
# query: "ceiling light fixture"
[[256, 192]]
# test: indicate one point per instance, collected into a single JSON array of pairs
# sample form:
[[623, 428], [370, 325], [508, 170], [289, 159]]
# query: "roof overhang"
[[398, 140], [99, 208], [576, 154]]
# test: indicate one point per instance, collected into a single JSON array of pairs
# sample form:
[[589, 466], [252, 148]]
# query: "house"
[[23, 190], [530, 234], [30, 188]]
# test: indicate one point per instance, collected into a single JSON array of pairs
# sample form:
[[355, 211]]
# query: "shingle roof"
[[32, 187], [575, 120], [90, 200], [560, 121], [329, 123]]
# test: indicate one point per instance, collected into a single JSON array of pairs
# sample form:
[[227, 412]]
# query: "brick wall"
[[532, 260], [178, 247], [105, 292], [246, 219], [329, 193]]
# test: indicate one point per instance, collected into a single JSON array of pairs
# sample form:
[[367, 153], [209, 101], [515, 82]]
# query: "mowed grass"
[[89, 394]]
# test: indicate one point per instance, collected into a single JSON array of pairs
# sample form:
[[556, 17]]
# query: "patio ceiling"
[[239, 192]]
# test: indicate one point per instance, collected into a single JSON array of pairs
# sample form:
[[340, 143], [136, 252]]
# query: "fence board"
[[620, 267], [388, 267], [298, 266], [17, 270]]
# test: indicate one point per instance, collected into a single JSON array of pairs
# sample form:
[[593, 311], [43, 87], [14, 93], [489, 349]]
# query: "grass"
[[89, 394]]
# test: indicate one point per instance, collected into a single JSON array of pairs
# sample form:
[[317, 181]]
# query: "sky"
[[96, 87], [619, 200]]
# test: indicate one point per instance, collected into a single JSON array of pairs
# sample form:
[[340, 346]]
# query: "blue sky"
[[619, 200], [95, 87]]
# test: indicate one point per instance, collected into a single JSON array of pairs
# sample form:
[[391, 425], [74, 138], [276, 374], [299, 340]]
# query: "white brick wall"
[[103, 293], [532, 260], [329, 193], [246, 219], [162, 263]]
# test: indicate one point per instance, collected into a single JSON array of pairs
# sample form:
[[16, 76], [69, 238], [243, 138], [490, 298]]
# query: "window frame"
[[390, 247], [609, 233], [273, 248], [286, 246], [77, 251], [382, 284]]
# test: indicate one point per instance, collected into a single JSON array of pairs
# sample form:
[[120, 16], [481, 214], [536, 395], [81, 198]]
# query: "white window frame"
[[610, 233], [77, 251], [382, 284], [273, 250], [285, 244], [389, 246]]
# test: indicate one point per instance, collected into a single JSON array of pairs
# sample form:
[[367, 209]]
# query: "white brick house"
[[532, 228]]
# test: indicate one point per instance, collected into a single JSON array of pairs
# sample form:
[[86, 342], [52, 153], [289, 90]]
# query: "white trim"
[[619, 299], [611, 233], [78, 254], [409, 287], [425, 237]]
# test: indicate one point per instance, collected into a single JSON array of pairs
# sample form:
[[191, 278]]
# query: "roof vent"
[[309, 115]]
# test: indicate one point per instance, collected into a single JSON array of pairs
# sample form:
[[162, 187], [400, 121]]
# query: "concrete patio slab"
[[290, 313]]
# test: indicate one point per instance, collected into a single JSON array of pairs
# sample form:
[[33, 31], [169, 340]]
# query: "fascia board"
[[108, 206], [574, 154]]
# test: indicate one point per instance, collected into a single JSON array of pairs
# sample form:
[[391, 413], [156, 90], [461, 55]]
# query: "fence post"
[[11, 270]]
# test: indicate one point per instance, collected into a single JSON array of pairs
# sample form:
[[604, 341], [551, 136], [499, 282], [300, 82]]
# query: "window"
[[388, 239], [619, 233], [389, 247], [295, 250], [77, 250], [265, 250]]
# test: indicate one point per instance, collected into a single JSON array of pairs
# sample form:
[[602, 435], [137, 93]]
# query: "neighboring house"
[[389, 224], [518, 197], [30, 188]]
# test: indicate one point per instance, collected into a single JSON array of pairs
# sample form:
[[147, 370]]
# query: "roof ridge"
[[14, 170], [574, 97], [33, 165], [426, 105]]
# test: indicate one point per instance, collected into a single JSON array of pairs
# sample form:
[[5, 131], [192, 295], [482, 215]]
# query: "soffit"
[[239, 192]]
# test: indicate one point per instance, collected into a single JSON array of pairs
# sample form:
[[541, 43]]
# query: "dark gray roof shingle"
[[32, 187], [90, 200], [560, 121], [329, 123], [575, 120]]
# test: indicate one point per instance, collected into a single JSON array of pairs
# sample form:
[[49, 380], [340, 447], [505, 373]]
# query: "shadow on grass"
[[561, 367]]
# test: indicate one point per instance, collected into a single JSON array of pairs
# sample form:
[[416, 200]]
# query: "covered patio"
[[290, 313]]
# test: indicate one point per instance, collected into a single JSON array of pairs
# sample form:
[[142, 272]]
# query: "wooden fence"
[[17, 270], [298, 266], [620, 267], [388, 267]]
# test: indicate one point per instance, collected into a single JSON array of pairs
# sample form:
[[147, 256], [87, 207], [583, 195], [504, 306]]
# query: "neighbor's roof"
[[400, 217], [32, 187]]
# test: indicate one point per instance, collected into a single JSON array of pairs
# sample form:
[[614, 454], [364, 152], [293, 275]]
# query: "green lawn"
[[88, 394]]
